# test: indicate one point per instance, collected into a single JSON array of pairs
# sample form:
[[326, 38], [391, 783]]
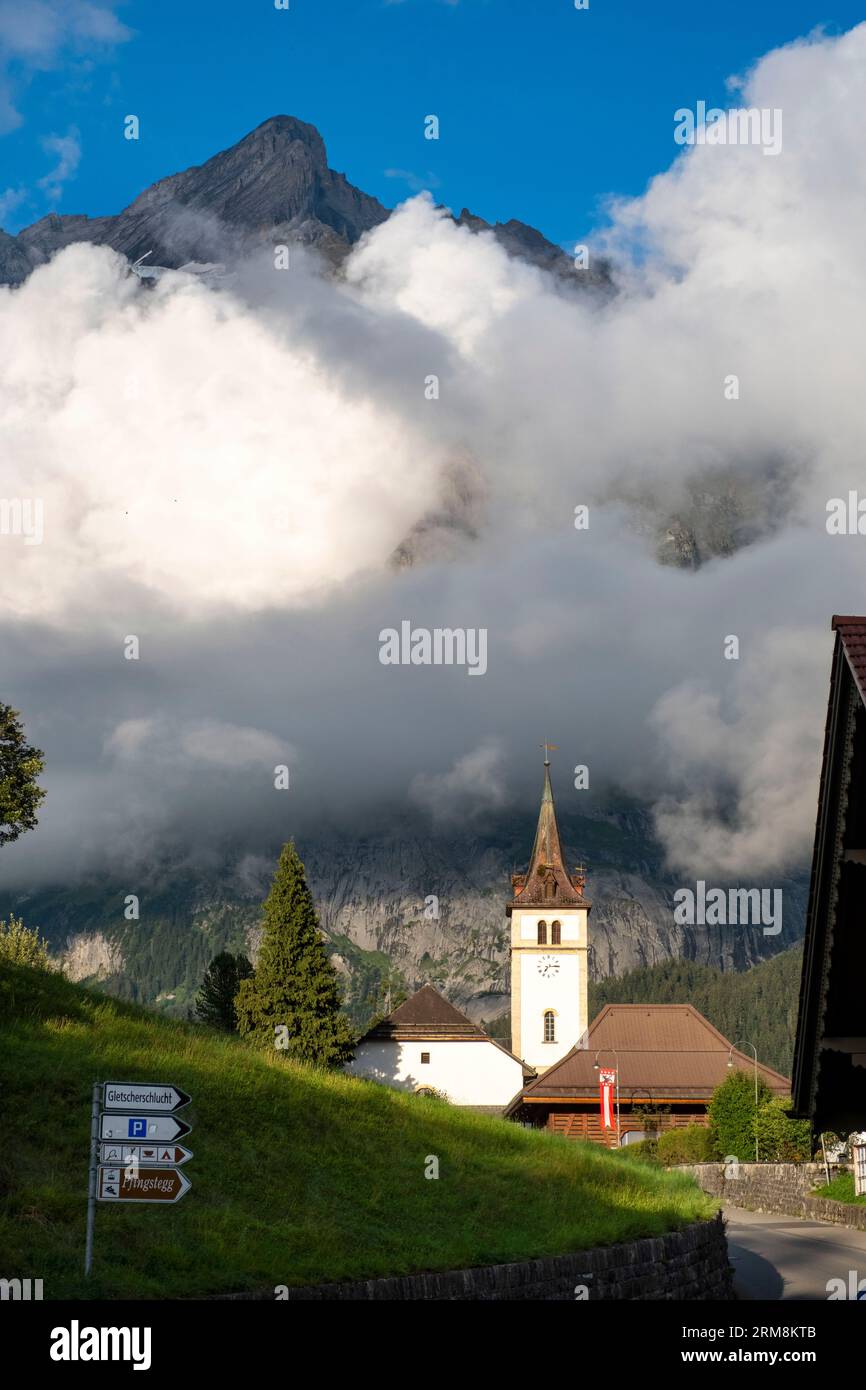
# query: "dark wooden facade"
[[829, 1084], [585, 1123]]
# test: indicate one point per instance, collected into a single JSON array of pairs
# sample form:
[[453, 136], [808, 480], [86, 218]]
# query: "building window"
[[542, 933], [549, 1026], [556, 933], [425, 1056]]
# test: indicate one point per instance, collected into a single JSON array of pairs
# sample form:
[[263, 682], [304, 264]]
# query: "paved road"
[[789, 1257]]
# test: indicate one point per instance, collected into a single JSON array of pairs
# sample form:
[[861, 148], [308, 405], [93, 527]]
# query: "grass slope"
[[298, 1176], [841, 1189]]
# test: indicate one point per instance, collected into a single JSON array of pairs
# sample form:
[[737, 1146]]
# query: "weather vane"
[[548, 747]]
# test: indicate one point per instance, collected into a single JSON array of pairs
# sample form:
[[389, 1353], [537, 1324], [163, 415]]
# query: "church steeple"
[[549, 946], [547, 880]]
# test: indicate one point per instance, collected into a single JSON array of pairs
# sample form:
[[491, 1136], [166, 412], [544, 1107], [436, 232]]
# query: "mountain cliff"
[[274, 185], [398, 909]]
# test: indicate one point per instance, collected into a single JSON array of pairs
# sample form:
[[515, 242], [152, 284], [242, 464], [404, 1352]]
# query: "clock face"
[[548, 966]]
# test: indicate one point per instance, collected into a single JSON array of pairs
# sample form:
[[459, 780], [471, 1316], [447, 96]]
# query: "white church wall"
[[469, 1073], [559, 992]]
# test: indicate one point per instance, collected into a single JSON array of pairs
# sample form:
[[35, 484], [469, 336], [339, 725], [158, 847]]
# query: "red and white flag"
[[607, 1081]]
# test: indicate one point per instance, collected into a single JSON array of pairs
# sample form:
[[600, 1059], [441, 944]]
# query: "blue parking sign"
[[137, 1129]]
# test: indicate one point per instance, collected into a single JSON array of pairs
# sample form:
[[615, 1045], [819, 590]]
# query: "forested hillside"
[[756, 1006]]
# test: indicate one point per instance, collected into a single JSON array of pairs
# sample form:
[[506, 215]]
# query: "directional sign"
[[145, 1128], [142, 1095], [145, 1154], [147, 1185]]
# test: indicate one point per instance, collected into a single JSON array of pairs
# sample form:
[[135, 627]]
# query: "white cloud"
[[161, 739], [475, 785], [232, 471], [67, 149]]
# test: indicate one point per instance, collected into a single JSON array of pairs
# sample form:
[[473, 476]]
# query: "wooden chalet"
[[670, 1060], [829, 1085]]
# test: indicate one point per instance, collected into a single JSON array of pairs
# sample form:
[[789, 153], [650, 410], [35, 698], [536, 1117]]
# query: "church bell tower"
[[549, 947]]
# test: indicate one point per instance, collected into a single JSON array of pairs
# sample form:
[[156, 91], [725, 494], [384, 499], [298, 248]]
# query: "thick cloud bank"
[[228, 474]]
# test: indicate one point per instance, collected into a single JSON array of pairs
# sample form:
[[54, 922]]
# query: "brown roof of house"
[[852, 632], [661, 1049], [547, 882], [426, 1015]]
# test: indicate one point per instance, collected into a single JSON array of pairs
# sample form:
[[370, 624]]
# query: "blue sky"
[[544, 110]]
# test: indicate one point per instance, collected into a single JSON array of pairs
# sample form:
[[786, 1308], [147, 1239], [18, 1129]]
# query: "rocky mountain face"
[[398, 910], [273, 186]]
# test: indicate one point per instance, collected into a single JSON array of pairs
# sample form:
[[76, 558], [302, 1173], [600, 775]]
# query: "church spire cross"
[[548, 748]]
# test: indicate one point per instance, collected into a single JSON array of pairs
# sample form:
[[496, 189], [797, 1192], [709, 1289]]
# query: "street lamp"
[[596, 1068], [730, 1068]]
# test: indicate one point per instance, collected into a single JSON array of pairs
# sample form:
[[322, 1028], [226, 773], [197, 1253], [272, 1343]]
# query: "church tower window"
[[549, 1026], [542, 934], [556, 933]]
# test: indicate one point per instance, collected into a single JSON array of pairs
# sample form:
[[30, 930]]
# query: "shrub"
[[732, 1115], [694, 1144], [22, 945], [645, 1151], [781, 1139]]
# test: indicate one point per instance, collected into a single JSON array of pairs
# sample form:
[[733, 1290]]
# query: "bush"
[[781, 1139], [20, 945], [694, 1144], [732, 1115], [645, 1151]]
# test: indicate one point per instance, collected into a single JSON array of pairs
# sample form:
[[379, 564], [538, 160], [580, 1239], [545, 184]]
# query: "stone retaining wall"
[[687, 1264], [780, 1188]]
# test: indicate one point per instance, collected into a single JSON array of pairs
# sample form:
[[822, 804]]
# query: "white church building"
[[428, 1045]]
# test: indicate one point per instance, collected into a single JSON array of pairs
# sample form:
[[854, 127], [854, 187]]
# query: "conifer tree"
[[215, 1002], [292, 1002]]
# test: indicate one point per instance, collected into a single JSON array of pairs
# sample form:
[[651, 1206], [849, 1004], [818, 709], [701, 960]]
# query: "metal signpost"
[[133, 1156]]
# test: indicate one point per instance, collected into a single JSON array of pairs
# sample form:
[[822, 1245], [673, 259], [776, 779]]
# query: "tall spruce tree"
[[215, 1002], [292, 1002]]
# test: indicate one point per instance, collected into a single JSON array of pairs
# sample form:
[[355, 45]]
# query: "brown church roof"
[[665, 1050], [547, 882]]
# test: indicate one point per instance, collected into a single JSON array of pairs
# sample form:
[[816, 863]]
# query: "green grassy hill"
[[298, 1176]]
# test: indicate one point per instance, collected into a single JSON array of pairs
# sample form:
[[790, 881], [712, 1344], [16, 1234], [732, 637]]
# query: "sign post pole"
[[94, 1168]]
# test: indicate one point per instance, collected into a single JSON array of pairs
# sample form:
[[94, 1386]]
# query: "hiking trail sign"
[[133, 1095], [133, 1156], [146, 1155], [141, 1185]]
